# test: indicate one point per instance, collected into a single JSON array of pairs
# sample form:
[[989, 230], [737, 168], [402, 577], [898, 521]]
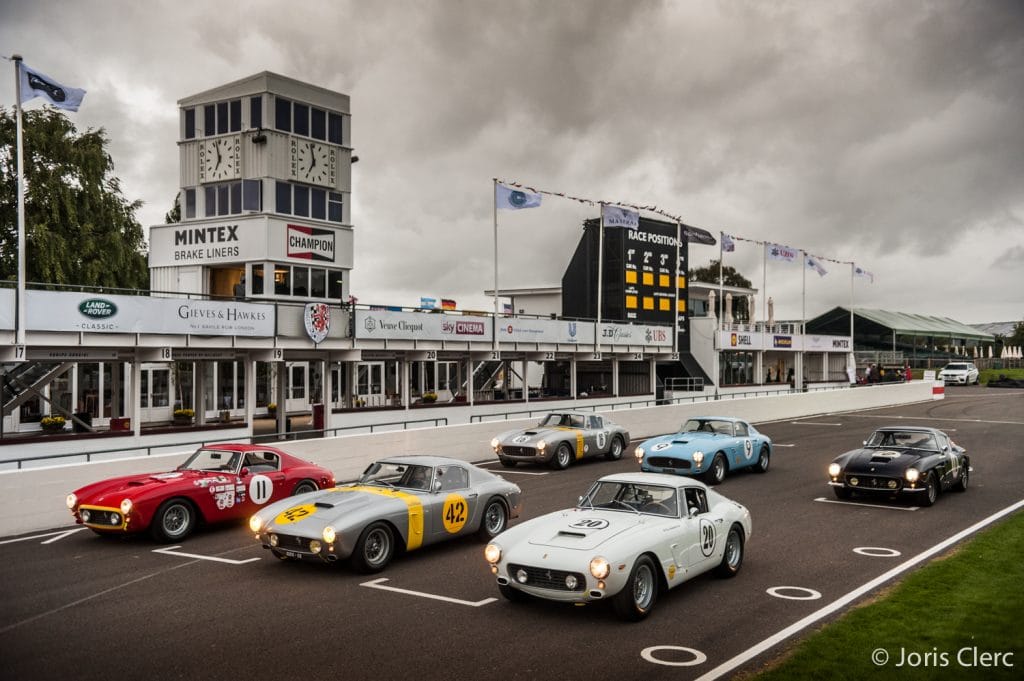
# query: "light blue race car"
[[707, 446]]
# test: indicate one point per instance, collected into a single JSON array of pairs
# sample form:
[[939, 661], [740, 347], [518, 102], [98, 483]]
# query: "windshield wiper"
[[380, 482]]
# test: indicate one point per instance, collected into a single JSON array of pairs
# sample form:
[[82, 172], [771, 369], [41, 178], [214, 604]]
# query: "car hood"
[[685, 440], [881, 461], [583, 529], [112, 492], [340, 507], [531, 435]]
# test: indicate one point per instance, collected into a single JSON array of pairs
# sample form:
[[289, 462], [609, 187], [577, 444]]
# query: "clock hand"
[[217, 147], [312, 157]]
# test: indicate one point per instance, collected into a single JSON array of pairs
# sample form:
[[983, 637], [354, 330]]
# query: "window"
[[251, 198], [256, 112], [335, 128], [300, 198], [190, 124], [334, 207], [452, 477], [282, 280], [596, 423], [696, 500], [257, 280], [741, 429], [209, 120], [318, 124], [318, 283], [300, 119], [223, 205], [334, 285], [300, 281], [236, 198], [284, 198], [283, 114], [298, 381], [223, 199], [318, 204], [235, 115], [190, 204], [222, 118], [210, 209]]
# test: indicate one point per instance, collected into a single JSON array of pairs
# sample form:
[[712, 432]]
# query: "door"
[[297, 374], [703, 536], [155, 390], [597, 436], [370, 384], [453, 503]]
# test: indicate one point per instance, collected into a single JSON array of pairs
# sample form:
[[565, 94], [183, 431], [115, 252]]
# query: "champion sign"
[[310, 243]]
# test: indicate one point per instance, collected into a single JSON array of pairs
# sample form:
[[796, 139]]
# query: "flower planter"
[[183, 420], [56, 428]]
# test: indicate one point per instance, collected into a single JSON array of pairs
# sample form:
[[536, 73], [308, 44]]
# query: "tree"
[[173, 216], [79, 228], [730, 277]]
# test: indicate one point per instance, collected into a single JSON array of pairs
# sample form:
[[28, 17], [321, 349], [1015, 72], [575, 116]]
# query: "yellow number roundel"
[[294, 514], [455, 514]]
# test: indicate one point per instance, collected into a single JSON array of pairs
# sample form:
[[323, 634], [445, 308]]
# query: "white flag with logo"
[[37, 84], [514, 199], [728, 245], [617, 216], [861, 272], [780, 252], [813, 264]]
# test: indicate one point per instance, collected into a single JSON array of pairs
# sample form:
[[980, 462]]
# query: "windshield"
[[955, 367], [562, 421], [212, 460], [707, 426], [632, 497], [402, 475], [909, 439]]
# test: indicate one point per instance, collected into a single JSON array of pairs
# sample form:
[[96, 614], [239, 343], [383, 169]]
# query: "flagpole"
[[19, 337], [764, 285], [494, 204], [600, 272], [675, 311]]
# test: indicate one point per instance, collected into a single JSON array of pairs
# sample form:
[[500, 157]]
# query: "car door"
[[742, 446], [952, 463], [452, 503], [260, 482], [597, 436], [702, 532]]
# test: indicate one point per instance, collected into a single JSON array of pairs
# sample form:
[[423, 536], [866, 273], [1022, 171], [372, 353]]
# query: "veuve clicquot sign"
[[97, 308]]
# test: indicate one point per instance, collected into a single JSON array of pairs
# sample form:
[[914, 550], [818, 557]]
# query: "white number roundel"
[[260, 489]]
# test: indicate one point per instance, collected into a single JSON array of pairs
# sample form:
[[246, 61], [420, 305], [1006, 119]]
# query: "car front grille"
[[542, 578], [668, 462], [518, 451], [101, 517], [873, 482], [289, 542]]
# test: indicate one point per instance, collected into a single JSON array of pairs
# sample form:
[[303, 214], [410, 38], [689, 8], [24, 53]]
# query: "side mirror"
[[244, 471], [579, 500], [436, 486], [865, 443], [692, 512]]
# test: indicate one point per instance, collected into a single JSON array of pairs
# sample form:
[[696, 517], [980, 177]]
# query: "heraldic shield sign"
[[317, 317]]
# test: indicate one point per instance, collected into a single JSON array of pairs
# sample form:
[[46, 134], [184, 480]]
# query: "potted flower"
[[53, 424], [272, 409], [183, 417], [429, 397]]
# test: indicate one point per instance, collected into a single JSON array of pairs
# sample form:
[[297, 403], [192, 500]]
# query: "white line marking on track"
[[806, 594], [171, 552], [814, 423], [60, 535], [698, 657], [821, 613], [854, 503], [935, 418], [379, 584]]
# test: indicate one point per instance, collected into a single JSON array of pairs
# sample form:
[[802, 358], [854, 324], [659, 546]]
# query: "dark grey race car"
[[561, 438]]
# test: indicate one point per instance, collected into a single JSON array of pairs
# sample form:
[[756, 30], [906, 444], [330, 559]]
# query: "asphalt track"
[[77, 606]]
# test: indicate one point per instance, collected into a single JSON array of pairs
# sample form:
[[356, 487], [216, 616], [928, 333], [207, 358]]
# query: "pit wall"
[[33, 499]]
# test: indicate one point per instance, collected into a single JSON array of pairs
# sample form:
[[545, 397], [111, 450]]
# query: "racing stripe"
[[579, 439], [415, 538]]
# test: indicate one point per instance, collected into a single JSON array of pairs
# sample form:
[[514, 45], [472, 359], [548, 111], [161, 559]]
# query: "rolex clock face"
[[219, 159], [313, 163]]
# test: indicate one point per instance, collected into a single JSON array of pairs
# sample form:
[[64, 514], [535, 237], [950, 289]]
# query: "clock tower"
[[266, 186]]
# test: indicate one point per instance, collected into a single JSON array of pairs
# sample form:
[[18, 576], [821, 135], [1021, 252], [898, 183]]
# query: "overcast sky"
[[889, 133]]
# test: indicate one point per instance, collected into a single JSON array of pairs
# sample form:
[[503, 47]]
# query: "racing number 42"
[[455, 514]]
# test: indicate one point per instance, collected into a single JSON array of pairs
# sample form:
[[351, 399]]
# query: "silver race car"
[[561, 438], [399, 504]]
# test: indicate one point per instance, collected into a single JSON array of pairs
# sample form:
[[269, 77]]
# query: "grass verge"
[[988, 374], [937, 624]]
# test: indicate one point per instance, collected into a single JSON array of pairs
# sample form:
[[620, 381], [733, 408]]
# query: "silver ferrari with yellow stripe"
[[561, 438], [399, 504]]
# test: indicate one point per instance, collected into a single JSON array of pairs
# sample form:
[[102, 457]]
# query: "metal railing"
[[149, 450]]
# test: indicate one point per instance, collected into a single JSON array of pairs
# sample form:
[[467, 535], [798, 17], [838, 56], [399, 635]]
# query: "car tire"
[[931, 486], [173, 521], [512, 594], [615, 452], [965, 479], [507, 463], [842, 493], [763, 460], [732, 557], [716, 473], [374, 548], [638, 596], [303, 487], [493, 521], [562, 458]]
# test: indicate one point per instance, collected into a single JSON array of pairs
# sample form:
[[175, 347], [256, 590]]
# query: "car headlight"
[[639, 454], [494, 443], [834, 470], [600, 567], [71, 500], [126, 506], [912, 474], [542, 445], [492, 553], [698, 458], [329, 534], [255, 524], [315, 546]]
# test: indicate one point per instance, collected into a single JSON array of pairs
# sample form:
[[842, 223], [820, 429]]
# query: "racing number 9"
[[455, 513]]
